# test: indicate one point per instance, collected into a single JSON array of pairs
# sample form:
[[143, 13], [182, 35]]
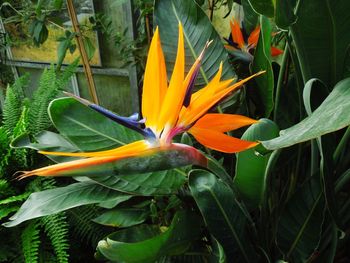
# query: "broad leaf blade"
[[222, 214], [262, 61], [250, 167], [299, 228], [62, 198], [263, 7], [330, 116], [146, 243], [321, 39], [122, 217], [198, 30], [87, 129], [146, 184]]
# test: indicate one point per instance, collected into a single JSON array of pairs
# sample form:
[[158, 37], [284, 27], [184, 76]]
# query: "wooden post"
[[84, 57]]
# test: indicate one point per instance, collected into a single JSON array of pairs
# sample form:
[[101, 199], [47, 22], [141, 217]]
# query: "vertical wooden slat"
[[133, 78]]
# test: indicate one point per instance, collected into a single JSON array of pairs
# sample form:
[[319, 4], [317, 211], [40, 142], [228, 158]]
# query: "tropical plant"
[[283, 199]]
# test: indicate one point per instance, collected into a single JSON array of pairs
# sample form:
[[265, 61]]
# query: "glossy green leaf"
[[86, 128], [285, 13], [145, 243], [156, 183], [321, 39], [222, 214], [250, 19], [250, 166], [122, 217], [299, 228], [197, 30], [46, 141], [263, 7], [55, 200], [330, 116], [262, 61]]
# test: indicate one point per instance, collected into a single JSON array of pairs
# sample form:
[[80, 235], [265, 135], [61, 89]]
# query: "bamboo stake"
[[84, 57]]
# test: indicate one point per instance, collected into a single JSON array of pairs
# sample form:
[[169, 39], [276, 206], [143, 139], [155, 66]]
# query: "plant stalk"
[[83, 54]]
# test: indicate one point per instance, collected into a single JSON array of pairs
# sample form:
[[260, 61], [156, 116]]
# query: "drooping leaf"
[[222, 214], [330, 116], [262, 61], [299, 228], [197, 30], [87, 129], [321, 39], [61, 198], [146, 244], [250, 166]]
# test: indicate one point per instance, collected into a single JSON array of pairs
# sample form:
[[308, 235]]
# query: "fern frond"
[[5, 211], [46, 91], [13, 103], [15, 198], [66, 74], [56, 228], [49, 85], [80, 221], [31, 241]]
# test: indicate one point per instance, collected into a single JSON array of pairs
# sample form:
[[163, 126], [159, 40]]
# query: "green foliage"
[[49, 85], [31, 241], [286, 201], [172, 12], [13, 104], [56, 228]]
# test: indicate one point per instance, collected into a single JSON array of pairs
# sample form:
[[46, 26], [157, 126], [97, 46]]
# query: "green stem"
[[281, 78], [341, 146]]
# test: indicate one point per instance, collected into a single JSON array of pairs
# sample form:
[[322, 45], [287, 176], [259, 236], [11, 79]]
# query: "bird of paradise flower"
[[168, 110], [242, 45]]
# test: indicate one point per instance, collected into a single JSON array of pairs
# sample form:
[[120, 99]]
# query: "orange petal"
[[133, 149], [236, 33], [154, 83], [223, 122], [276, 51], [198, 108], [220, 142], [254, 37], [176, 92]]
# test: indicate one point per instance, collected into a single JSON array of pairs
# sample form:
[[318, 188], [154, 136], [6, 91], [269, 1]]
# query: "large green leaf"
[[262, 61], [156, 183], [321, 37], [331, 115], [122, 217], [86, 128], [299, 228], [263, 7], [251, 167], [47, 141], [146, 243], [198, 30], [52, 201], [285, 13], [222, 214]]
